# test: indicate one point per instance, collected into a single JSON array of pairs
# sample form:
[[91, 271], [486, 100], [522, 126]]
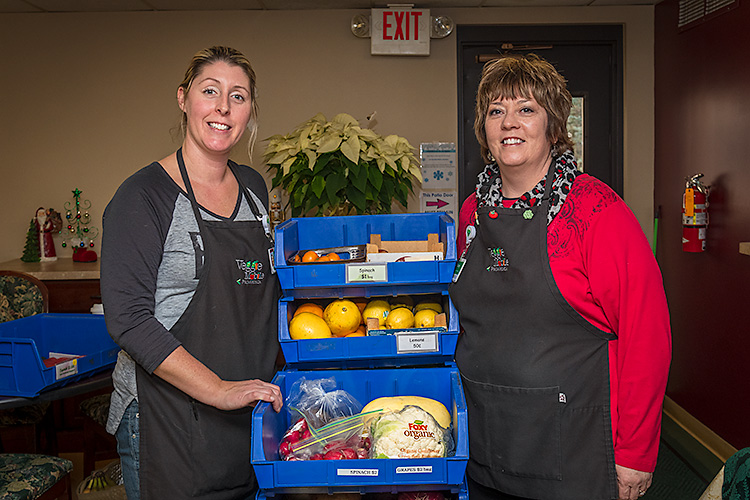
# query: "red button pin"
[[492, 214]]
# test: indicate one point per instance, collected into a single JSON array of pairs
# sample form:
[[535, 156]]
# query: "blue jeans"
[[128, 440]]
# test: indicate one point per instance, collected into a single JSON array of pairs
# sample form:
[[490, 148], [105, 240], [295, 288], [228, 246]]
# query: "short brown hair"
[[219, 53], [514, 76]]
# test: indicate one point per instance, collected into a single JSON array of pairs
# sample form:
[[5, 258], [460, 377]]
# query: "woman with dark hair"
[[566, 341], [190, 296]]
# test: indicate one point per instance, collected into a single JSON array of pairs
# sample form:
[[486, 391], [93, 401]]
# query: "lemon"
[[377, 308], [308, 325], [402, 301], [428, 305], [342, 316], [400, 317], [425, 318]]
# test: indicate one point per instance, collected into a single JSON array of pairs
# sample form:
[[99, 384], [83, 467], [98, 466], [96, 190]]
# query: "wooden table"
[[79, 387], [73, 286]]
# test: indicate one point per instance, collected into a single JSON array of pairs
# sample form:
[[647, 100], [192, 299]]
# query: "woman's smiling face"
[[516, 132], [218, 107]]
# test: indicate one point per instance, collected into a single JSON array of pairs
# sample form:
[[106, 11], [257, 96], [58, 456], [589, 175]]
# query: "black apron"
[[189, 449], [535, 372]]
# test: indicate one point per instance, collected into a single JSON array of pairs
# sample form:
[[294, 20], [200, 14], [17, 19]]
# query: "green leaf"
[[298, 196], [357, 198], [360, 179], [354, 168], [318, 185], [334, 182], [376, 177], [323, 160], [402, 193]]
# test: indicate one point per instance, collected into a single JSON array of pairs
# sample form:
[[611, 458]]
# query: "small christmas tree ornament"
[[31, 248], [78, 234]]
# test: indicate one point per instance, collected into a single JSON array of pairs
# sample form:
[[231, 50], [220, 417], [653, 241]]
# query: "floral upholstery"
[[21, 295], [19, 298], [96, 408], [25, 477], [31, 414]]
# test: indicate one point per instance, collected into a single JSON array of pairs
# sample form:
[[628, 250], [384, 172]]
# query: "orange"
[[359, 332], [296, 258], [307, 325], [311, 308], [333, 256], [324, 258], [310, 256], [361, 304], [342, 316]]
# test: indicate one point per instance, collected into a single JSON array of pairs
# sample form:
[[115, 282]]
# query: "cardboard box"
[[405, 251]]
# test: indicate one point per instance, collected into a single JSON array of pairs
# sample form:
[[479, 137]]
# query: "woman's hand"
[[632, 484], [192, 377], [235, 395]]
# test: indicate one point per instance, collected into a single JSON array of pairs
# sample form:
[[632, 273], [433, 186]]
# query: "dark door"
[[590, 59]]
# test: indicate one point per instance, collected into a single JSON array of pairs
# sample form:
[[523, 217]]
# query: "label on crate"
[[357, 472], [407, 342], [66, 369], [425, 469], [366, 273]]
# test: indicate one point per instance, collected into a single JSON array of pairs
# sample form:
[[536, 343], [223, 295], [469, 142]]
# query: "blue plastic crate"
[[368, 475], [25, 344], [371, 351], [463, 494], [338, 279]]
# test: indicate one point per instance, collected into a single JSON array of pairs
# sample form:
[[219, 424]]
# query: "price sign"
[[66, 369], [418, 469], [408, 342], [366, 273], [357, 472]]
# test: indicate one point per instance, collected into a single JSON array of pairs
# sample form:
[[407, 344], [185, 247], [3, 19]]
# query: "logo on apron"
[[500, 262], [253, 272]]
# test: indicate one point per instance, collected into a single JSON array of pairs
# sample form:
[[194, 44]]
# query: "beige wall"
[[90, 98]]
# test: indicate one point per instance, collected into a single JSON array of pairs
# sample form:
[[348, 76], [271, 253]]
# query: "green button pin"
[[528, 214]]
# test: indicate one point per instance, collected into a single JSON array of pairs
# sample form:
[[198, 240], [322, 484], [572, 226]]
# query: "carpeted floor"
[[674, 479]]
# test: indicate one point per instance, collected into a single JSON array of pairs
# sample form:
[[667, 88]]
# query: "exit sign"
[[400, 31]]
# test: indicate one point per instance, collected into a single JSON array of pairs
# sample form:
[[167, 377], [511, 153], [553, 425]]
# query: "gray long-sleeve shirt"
[[149, 266]]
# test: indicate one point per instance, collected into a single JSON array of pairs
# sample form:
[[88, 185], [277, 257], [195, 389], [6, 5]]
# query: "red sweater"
[[605, 269]]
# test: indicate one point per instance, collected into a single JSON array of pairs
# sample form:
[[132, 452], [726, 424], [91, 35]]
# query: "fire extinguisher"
[[694, 214]]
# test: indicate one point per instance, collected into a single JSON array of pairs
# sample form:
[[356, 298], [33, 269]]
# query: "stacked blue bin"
[[27, 344], [367, 367]]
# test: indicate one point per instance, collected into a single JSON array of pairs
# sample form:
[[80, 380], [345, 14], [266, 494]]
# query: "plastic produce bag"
[[319, 402], [340, 439], [327, 423]]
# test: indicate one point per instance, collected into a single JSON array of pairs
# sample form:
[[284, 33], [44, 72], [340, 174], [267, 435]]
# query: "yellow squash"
[[395, 403]]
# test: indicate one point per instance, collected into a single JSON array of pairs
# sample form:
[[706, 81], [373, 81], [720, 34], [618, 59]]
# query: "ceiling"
[[31, 6]]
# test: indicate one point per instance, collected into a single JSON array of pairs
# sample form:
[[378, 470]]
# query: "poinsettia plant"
[[337, 167]]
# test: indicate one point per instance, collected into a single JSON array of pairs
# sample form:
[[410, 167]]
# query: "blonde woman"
[[190, 296]]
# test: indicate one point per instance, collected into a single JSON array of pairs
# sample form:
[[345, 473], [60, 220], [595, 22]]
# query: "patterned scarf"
[[489, 188]]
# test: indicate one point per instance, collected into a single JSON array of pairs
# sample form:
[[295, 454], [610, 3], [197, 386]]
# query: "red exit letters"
[[397, 25]]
